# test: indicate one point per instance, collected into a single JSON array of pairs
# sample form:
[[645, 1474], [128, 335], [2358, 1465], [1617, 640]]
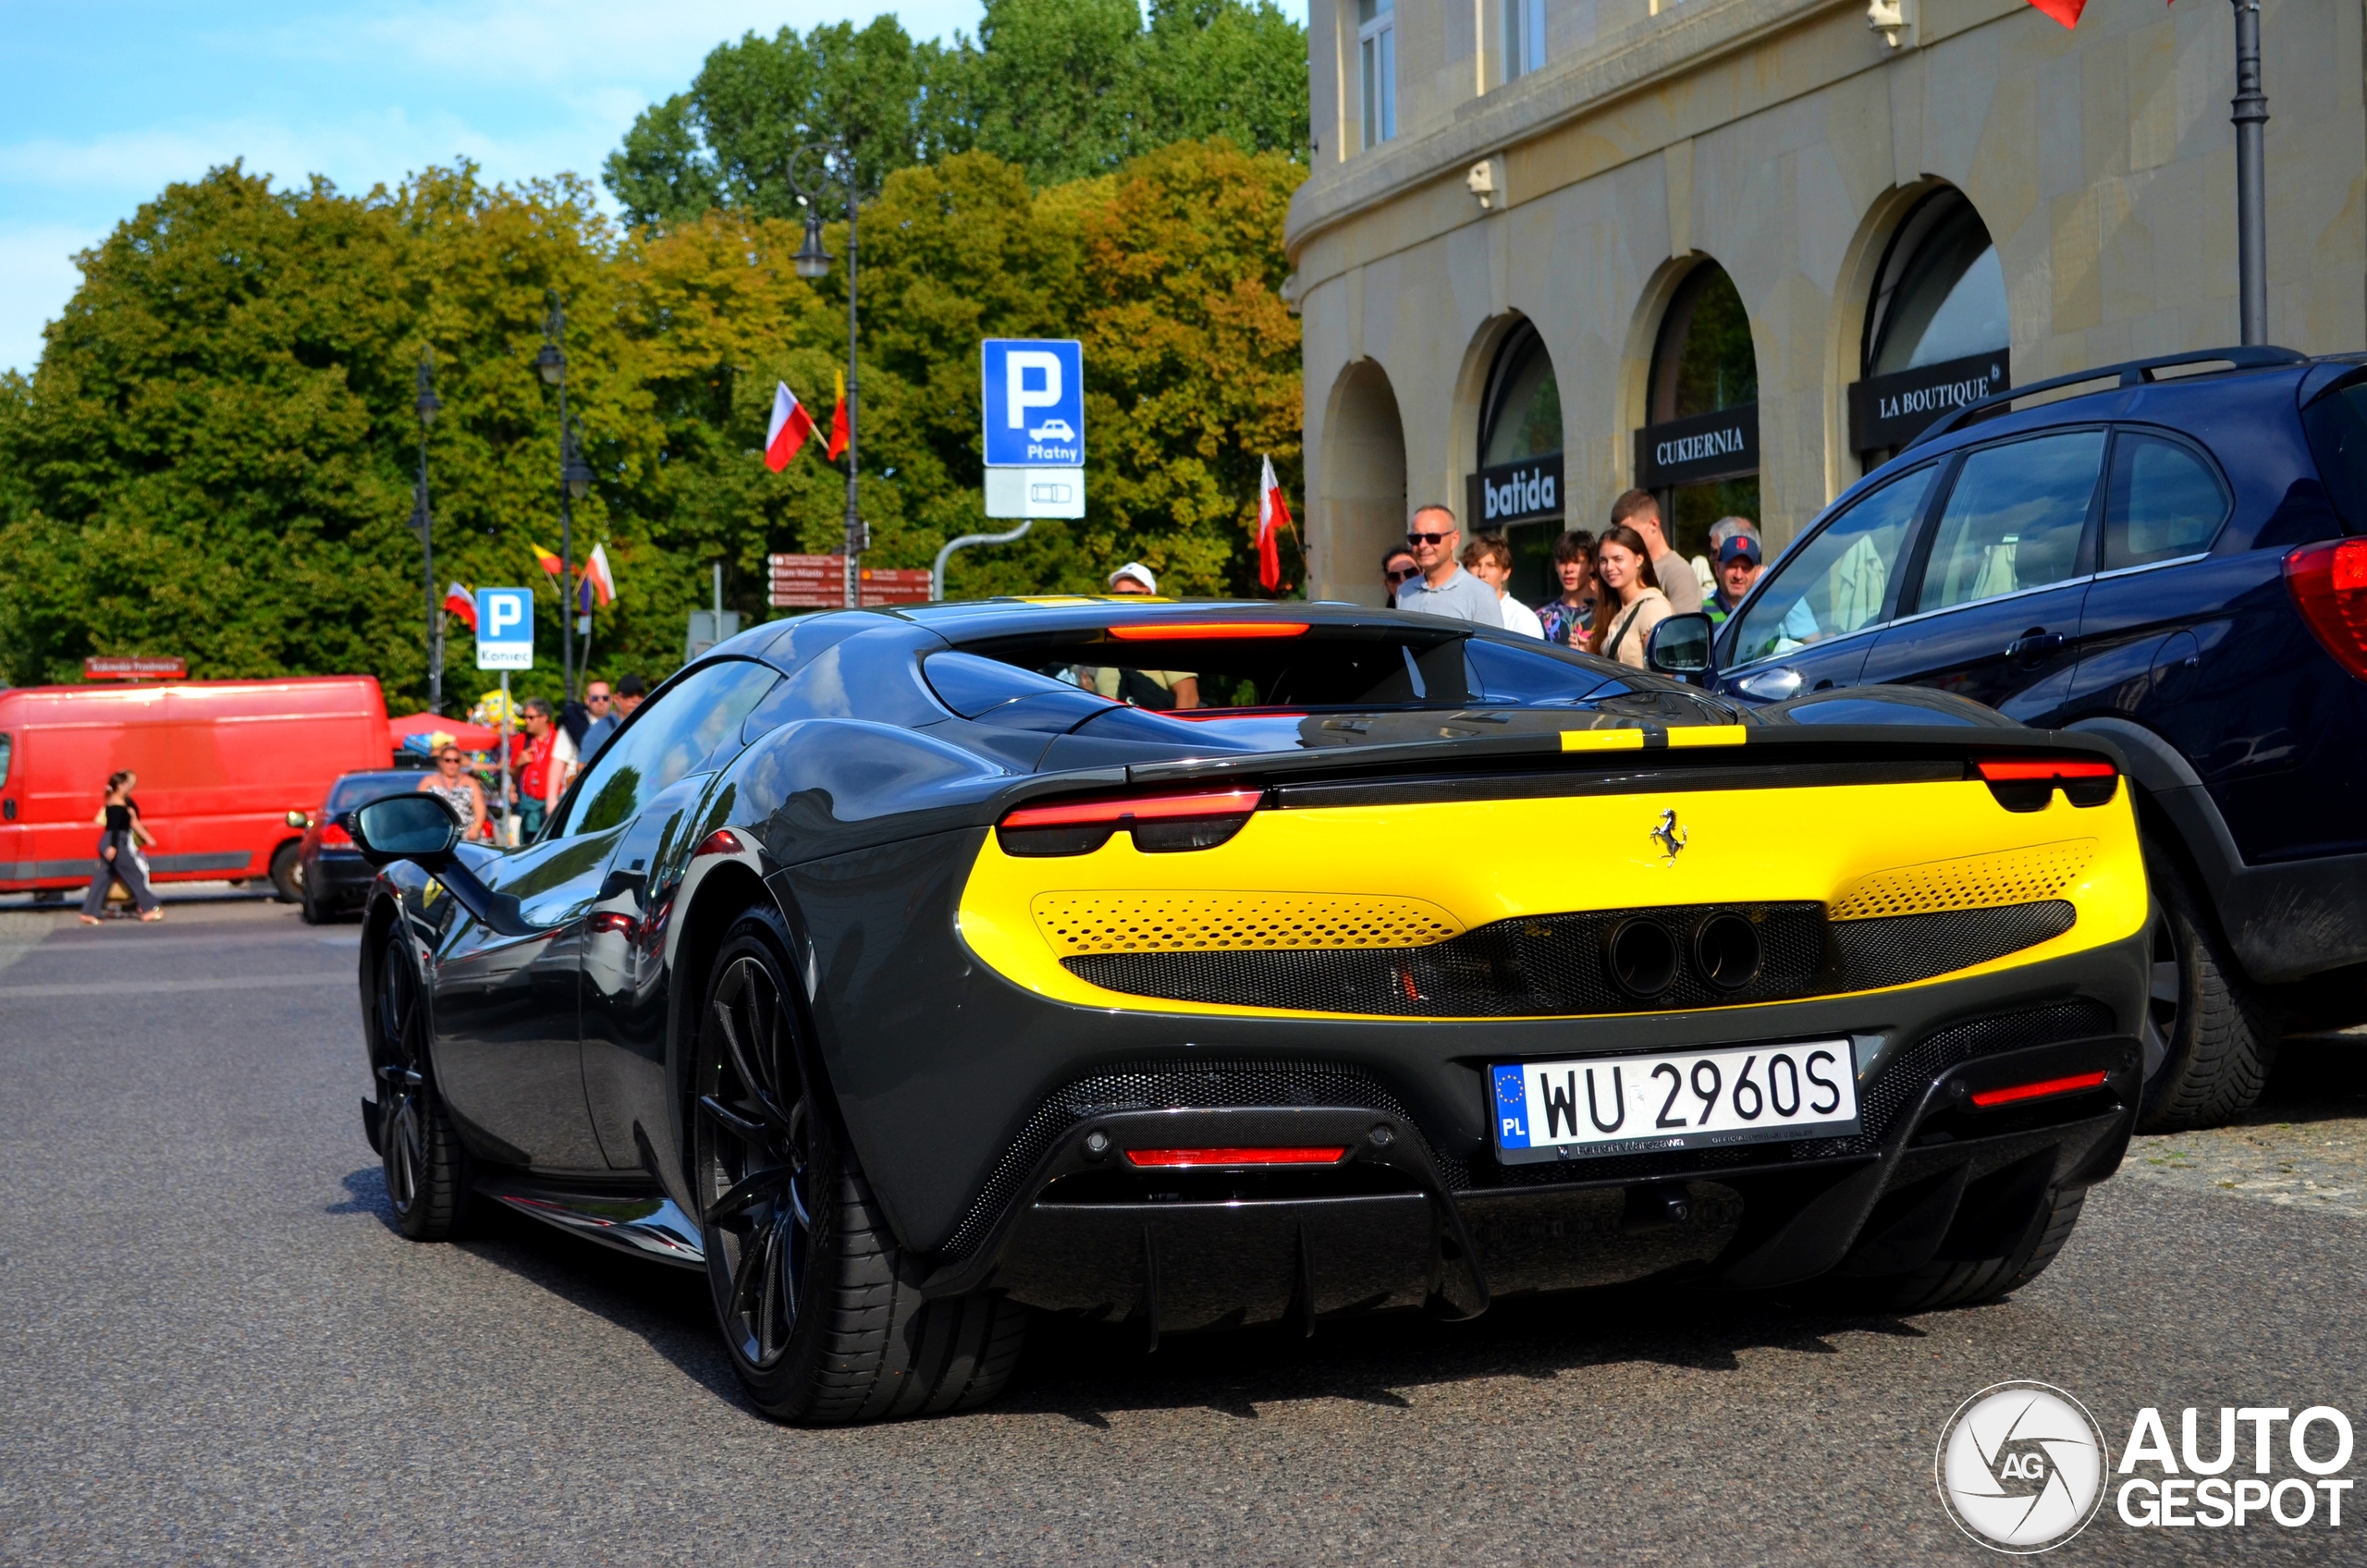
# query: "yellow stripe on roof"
[[1708, 735], [1603, 739]]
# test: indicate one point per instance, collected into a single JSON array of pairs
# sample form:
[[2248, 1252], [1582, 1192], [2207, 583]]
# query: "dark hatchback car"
[[2172, 561], [331, 877]]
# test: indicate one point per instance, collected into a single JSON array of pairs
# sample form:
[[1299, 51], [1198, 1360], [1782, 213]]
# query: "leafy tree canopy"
[[1064, 89]]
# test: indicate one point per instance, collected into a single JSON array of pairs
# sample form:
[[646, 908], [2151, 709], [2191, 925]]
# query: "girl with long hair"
[[119, 854], [1630, 606]]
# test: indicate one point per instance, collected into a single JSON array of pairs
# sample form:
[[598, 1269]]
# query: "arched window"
[[1517, 491], [1937, 331], [1701, 451]]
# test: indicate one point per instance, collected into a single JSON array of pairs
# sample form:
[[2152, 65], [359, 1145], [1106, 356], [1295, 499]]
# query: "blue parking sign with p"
[[1034, 403], [505, 629]]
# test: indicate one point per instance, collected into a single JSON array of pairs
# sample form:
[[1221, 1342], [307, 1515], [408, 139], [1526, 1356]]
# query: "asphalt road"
[[216, 1350]]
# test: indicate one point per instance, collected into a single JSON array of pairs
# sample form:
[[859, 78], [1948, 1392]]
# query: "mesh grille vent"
[[2020, 877], [1135, 923]]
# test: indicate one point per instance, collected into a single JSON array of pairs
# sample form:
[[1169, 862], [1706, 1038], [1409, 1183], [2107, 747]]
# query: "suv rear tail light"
[[2328, 582], [1160, 824], [2024, 783]]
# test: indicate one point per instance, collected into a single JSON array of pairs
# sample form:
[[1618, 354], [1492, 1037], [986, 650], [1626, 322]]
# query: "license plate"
[[1691, 1100]]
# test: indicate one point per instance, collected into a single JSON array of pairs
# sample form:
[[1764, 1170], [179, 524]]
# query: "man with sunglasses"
[[1444, 588]]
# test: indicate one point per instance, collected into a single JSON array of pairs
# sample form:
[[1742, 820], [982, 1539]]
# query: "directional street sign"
[[819, 582], [1035, 426], [505, 629]]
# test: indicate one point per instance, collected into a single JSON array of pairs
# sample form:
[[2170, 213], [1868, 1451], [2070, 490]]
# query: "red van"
[[221, 764]]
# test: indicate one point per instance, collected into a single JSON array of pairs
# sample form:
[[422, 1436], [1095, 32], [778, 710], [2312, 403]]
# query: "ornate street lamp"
[[834, 165], [427, 405]]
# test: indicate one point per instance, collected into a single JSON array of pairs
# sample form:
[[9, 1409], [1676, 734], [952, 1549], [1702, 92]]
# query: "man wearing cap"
[[1444, 588], [1737, 570], [1144, 688]]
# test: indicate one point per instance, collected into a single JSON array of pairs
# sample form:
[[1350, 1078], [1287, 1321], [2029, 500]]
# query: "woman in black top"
[[120, 854]]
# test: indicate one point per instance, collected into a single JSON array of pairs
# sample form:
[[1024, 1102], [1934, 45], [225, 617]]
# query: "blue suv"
[[2177, 563]]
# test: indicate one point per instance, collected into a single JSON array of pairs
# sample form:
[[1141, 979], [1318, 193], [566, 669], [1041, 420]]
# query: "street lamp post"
[[814, 261], [2250, 107], [425, 522], [574, 479]]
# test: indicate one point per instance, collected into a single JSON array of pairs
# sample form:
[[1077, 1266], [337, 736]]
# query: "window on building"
[[1521, 423], [1703, 364], [1943, 291], [1377, 67], [1524, 37]]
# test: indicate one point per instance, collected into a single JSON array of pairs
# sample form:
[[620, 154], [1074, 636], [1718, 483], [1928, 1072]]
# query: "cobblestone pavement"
[[2304, 1146]]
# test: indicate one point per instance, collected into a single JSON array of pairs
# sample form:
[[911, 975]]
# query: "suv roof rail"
[[2132, 372]]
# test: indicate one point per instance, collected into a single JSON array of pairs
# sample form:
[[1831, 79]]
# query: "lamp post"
[[2250, 114], [574, 479], [814, 261], [424, 521]]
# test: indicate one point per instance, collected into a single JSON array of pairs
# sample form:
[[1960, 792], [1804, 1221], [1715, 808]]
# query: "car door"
[[1807, 626], [2000, 576], [641, 803]]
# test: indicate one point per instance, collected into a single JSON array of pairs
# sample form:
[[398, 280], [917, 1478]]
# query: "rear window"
[[356, 788], [2336, 424], [1319, 666]]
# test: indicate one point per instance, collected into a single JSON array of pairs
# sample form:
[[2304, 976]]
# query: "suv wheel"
[[2215, 1039]]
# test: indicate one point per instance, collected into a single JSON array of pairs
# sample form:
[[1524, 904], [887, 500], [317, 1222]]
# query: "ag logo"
[[2021, 1467]]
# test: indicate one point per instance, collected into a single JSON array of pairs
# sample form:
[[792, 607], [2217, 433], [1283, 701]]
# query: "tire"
[[1948, 1284], [310, 911], [2213, 1031], [819, 1306], [428, 1172], [287, 875]]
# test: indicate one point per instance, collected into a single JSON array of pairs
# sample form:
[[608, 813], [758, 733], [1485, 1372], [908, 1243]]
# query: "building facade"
[[1738, 251]]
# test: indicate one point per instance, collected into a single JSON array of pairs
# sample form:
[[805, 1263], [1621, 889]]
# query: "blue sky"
[[102, 103]]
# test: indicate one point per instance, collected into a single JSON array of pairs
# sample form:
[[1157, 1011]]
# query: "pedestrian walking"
[[1489, 560], [1444, 588], [1397, 567], [550, 763], [1631, 605], [120, 836], [452, 784], [1568, 619], [1640, 511]]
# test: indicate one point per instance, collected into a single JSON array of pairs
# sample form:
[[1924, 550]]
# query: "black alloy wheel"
[[428, 1169], [819, 1306]]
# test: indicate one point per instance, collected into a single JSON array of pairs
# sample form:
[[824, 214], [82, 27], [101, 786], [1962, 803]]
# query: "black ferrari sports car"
[[916, 972]]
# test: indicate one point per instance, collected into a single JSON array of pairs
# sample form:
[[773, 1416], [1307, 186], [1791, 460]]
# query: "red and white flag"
[[1273, 515], [459, 601], [792, 424], [597, 573]]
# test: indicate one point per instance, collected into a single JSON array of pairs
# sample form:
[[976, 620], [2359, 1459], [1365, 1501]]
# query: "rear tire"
[[820, 1307], [287, 878], [2216, 1033], [1973, 1282]]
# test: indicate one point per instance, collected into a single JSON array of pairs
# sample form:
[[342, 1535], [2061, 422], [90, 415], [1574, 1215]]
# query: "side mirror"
[[298, 819], [412, 827], [1680, 645]]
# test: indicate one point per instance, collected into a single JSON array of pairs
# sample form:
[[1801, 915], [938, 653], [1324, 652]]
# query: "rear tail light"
[[2046, 1088], [2328, 582], [333, 837], [1178, 1159], [1160, 824], [2024, 783]]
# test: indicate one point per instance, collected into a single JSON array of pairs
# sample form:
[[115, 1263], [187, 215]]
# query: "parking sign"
[[1034, 403], [505, 629]]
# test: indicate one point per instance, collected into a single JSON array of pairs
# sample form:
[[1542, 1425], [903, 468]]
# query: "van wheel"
[[2215, 1036], [286, 876]]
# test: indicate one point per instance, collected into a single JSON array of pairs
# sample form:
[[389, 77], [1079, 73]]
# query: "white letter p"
[[1015, 367]]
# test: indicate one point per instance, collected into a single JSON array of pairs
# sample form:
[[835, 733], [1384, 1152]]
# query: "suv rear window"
[[2336, 424]]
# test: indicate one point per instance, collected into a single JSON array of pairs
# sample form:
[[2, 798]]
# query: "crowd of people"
[[1616, 586], [550, 746]]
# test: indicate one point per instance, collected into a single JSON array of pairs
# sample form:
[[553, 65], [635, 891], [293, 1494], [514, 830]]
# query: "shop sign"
[[1514, 493], [1889, 411], [136, 668], [1724, 445]]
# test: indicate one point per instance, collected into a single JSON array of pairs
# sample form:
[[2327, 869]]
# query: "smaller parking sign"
[[505, 629]]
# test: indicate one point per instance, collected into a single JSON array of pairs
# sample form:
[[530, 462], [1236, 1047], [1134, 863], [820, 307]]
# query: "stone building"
[[1737, 251]]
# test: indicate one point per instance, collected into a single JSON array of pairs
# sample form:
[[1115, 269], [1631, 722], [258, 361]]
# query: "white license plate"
[[1690, 1100]]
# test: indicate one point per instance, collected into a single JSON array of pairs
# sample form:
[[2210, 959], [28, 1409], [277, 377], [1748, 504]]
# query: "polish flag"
[[1273, 515], [838, 421], [792, 424], [459, 601], [597, 576]]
